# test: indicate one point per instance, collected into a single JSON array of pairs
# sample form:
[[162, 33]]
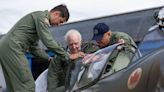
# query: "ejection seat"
[[121, 57]]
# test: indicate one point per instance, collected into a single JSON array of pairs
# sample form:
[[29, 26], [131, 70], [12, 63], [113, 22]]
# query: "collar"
[[48, 17]]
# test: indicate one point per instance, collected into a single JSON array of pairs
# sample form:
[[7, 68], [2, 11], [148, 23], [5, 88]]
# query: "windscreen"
[[92, 65]]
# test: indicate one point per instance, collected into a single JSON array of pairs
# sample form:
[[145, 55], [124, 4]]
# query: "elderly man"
[[58, 68]]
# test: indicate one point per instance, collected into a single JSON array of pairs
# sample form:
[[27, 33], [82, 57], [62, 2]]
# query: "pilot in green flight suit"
[[59, 69], [24, 36], [105, 37]]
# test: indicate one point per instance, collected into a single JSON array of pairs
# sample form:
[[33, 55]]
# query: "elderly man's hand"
[[77, 55]]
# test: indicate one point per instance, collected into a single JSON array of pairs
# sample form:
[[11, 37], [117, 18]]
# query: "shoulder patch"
[[47, 22]]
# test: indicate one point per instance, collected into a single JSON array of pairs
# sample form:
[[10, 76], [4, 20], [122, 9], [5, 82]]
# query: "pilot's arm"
[[47, 39], [36, 51]]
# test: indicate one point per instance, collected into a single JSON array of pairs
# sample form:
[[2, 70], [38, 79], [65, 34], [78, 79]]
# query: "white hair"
[[70, 32]]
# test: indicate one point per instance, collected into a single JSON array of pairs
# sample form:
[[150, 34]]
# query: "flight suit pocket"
[[25, 73]]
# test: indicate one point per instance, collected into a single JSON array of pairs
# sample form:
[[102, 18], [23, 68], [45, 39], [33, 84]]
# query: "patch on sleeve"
[[47, 22]]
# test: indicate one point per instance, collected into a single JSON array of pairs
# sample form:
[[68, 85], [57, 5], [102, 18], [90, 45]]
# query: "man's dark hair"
[[63, 9]]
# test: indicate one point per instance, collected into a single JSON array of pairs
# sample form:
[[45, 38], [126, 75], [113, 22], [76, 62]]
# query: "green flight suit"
[[124, 56], [24, 36], [58, 70], [128, 40], [121, 35]]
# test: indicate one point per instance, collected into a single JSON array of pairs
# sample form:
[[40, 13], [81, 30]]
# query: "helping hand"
[[77, 55]]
